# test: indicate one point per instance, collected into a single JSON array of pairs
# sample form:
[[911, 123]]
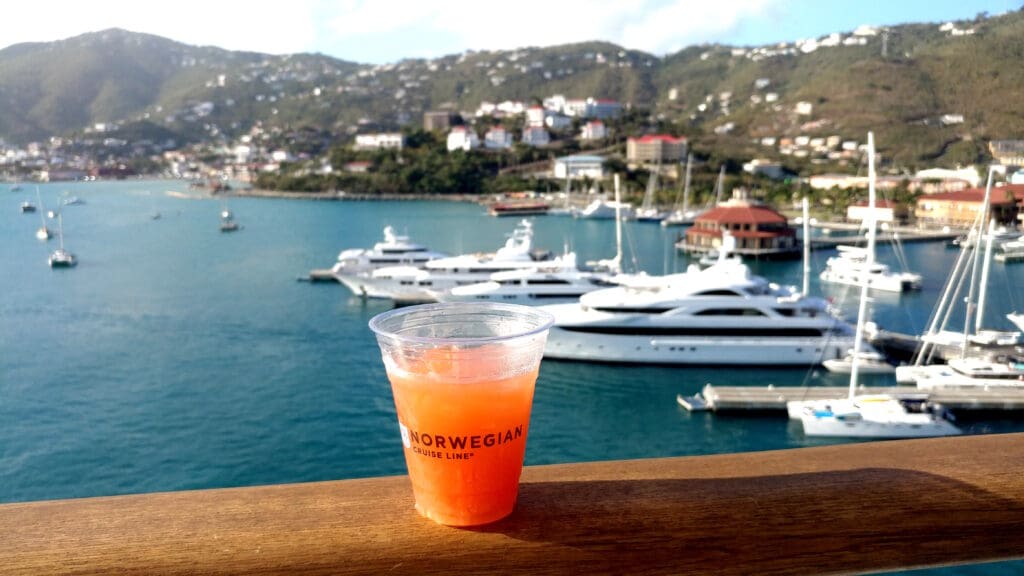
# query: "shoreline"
[[344, 196]]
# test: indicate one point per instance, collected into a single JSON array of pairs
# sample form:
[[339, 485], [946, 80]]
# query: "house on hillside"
[[961, 208], [380, 141], [497, 138], [593, 130], [462, 138], [536, 136], [1007, 152]]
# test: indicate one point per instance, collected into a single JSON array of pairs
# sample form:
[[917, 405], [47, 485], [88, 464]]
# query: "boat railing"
[[849, 508]]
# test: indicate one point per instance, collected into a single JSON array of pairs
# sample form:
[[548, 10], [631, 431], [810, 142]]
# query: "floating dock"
[[772, 398]]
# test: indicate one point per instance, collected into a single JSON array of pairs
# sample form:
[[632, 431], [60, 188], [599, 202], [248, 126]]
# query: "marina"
[[196, 356], [774, 398]]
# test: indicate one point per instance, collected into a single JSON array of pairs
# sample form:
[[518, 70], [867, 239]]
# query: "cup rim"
[[545, 321]]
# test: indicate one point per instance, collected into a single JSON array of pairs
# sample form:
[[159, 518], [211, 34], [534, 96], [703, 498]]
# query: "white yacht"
[[394, 250], [1007, 372], [870, 416], [873, 416], [413, 284], [867, 363], [719, 315], [535, 286], [848, 266]]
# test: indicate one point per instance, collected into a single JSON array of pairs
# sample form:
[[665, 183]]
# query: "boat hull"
[[701, 350]]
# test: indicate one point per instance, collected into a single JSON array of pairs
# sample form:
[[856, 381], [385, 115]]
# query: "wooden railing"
[[834, 509]]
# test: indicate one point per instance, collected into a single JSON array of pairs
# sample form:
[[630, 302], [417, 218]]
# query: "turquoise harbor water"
[[177, 357]]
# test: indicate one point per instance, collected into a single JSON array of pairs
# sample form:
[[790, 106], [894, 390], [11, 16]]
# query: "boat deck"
[[770, 398]]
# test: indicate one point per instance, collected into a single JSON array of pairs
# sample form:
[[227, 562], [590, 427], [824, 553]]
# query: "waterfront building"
[[961, 208], [653, 148], [759, 230], [579, 166], [885, 211]]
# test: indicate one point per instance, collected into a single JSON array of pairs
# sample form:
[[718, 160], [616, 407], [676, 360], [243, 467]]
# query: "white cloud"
[[657, 26]]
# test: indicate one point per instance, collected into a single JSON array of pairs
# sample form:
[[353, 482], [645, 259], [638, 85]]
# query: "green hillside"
[[899, 82]]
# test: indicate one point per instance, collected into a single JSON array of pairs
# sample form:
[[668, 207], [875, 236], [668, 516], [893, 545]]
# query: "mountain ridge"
[[899, 81]]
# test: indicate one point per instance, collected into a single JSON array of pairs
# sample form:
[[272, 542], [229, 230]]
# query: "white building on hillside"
[[536, 136], [497, 138], [593, 130], [462, 138], [379, 141]]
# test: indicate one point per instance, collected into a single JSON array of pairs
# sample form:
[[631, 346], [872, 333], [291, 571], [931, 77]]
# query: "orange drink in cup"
[[462, 376]]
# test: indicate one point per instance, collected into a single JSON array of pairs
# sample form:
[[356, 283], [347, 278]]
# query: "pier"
[[905, 235], [773, 398]]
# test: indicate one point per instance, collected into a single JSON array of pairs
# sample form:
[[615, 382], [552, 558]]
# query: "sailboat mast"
[[719, 185], [972, 291], [60, 228], [618, 223], [807, 247], [869, 262], [686, 185], [986, 264]]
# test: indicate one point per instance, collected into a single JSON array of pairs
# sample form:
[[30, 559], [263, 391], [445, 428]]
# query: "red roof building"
[[759, 231], [961, 208]]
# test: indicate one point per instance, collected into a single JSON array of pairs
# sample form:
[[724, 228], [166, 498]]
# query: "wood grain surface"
[[834, 509]]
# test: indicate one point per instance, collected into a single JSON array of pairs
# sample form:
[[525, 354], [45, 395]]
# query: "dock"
[[319, 275], [774, 398]]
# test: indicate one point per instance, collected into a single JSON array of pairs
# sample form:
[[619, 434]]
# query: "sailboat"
[[61, 258], [683, 216], [875, 415], [568, 209], [227, 219], [647, 211], [973, 368], [43, 233]]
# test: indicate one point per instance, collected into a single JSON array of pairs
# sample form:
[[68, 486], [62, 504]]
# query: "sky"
[[383, 31]]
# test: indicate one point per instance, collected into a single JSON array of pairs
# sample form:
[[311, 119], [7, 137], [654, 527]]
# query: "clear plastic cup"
[[462, 376]]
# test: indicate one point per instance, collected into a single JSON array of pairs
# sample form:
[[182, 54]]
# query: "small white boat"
[[868, 362], [227, 221], [72, 201]]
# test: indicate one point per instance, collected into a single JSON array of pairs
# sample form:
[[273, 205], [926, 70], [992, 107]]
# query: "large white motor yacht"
[[408, 284], [849, 266], [607, 210], [354, 264], [719, 315]]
